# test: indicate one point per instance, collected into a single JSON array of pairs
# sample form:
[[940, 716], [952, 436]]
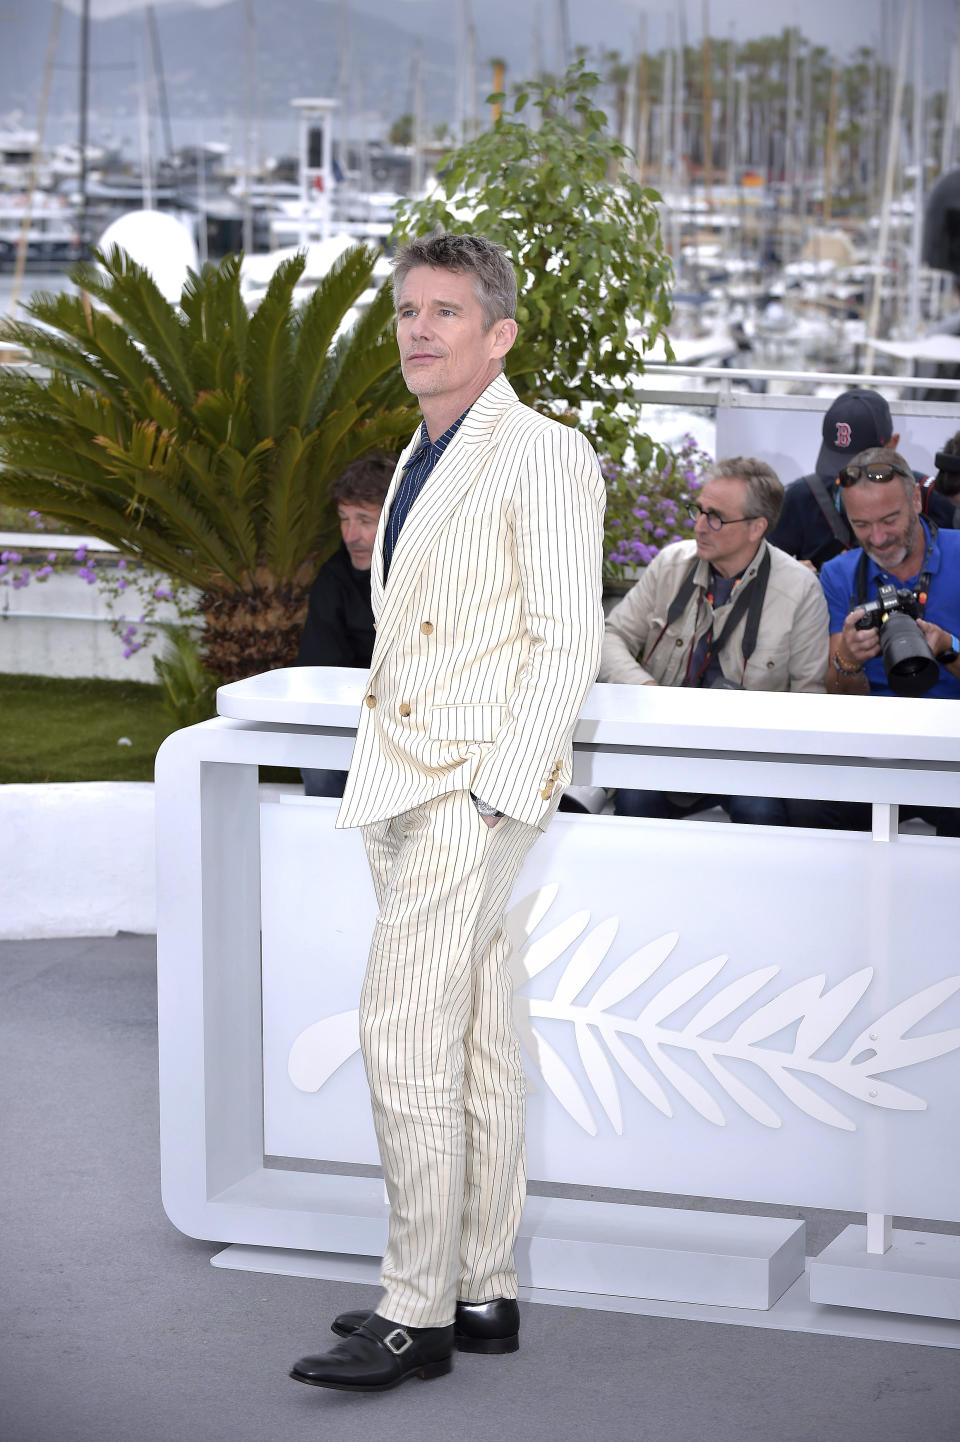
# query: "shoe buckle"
[[398, 1340]]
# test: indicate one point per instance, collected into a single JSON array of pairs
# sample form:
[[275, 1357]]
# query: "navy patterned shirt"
[[415, 473]]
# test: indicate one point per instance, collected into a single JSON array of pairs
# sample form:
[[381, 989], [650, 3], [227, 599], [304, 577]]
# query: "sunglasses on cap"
[[881, 472]]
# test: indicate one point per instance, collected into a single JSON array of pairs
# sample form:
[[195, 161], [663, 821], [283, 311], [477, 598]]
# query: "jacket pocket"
[[466, 723]]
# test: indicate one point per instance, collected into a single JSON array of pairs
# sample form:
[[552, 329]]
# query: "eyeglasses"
[[882, 472], [715, 522]]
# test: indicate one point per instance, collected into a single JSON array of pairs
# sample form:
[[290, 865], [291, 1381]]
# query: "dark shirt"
[[339, 626], [415, 473], [803, 530]]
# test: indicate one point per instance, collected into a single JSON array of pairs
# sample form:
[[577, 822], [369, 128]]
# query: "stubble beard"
[[424, 384], [888, 560]]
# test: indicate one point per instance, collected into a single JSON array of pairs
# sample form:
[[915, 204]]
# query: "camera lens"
[[910, 665]]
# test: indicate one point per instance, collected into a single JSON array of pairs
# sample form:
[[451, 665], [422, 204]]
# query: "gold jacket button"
[[678, 641], [547, 792], [371, 700], [404, 709], [426, 627], [770, 665]]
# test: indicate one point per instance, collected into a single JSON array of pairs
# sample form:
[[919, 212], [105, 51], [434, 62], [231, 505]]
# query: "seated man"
[[899, 548], [339, 625], [725, 609], [813, 524]]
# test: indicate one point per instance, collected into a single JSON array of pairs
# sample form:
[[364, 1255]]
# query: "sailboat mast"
[[893, 142], [84, 104], [158, 79]]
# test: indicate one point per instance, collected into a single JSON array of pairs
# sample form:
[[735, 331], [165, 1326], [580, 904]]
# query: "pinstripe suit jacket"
[[490, 624]]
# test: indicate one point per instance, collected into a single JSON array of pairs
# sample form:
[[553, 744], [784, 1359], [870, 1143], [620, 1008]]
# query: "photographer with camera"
[[725, 610], [894, 611]]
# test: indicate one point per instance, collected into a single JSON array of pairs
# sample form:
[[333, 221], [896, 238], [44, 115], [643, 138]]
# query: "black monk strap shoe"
[[478, 1326], [377, 1355]]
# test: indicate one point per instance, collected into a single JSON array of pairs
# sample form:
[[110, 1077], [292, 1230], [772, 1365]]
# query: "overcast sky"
[[838, 24]]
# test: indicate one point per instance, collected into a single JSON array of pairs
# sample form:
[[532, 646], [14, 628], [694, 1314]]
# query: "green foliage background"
[[556, 190]]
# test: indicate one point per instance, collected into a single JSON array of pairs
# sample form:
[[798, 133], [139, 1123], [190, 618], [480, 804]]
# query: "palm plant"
[[199, 439]]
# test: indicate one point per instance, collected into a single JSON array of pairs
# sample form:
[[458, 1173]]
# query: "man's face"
[[726, 497], [884, 518], [358, 526], [444, 348]]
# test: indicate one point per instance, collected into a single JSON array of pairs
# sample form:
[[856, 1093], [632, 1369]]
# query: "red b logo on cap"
[[843, 434]]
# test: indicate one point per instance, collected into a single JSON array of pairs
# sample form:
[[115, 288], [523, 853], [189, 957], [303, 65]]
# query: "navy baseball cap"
[[857, 420]]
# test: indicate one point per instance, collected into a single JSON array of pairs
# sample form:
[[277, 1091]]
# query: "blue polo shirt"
[[839, 580]]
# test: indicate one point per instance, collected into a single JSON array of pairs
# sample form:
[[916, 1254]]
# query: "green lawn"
[[52, 729]]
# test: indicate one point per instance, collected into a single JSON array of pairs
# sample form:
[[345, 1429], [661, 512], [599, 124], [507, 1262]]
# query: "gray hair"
[[764, 498], [885, 456], [495, 283]]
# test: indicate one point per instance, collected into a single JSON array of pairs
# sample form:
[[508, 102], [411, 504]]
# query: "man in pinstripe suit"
[[486, 594]]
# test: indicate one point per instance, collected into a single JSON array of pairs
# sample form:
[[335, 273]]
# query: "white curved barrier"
[[757, 1013]]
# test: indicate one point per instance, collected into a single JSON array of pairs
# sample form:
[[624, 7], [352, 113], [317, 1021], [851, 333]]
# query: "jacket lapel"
[[444, 490], [376, 566]]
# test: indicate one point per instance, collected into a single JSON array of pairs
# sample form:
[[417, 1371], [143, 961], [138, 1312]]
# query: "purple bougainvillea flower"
[[121, 565], [44, 572], [640, 512], [51, 555], [659, 533], [80, 554]]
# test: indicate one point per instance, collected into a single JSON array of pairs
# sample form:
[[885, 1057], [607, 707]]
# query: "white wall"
[[61, 626], [76, 859]]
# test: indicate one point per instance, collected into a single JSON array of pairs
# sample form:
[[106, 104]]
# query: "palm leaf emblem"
[[623, 1032]]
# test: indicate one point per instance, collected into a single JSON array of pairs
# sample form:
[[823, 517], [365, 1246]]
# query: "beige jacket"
[[490, 623], [792, 644]]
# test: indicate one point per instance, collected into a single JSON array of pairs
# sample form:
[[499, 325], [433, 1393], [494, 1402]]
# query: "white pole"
[[202, 203], [146, 157], [880, 258], [304, 231], [919, 185], [417, 177]]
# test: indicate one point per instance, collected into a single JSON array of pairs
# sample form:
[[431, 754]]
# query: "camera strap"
[[921, 587], [749, 598], [834, 518]]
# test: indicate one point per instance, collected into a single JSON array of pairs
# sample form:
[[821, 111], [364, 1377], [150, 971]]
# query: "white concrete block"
[[714, 1258], [919, 1275], [76, 859]]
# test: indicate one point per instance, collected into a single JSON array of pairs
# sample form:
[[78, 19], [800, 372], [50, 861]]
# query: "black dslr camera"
[[910, 665]]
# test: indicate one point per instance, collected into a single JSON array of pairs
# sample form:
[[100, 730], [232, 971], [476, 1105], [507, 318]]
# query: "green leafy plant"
[[189, 688], [584, 236], [200, 440]]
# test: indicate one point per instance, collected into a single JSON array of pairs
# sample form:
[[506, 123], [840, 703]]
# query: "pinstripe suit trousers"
[[441, 1056]]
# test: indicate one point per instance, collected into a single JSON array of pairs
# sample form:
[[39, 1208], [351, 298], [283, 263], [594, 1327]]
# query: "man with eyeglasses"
[[898, 547], [726, 609]]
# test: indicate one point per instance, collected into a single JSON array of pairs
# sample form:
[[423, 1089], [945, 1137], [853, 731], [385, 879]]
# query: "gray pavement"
[[115, 1327]]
